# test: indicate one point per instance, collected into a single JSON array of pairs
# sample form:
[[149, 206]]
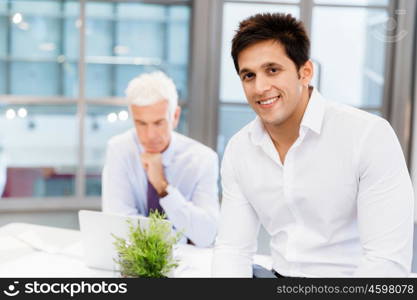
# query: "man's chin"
[[272, 121], [153, 150]]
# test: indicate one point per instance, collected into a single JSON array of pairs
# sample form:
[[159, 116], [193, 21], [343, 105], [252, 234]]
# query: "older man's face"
[[154, 125]]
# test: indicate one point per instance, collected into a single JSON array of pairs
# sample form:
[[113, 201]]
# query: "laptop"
[[97, 239]]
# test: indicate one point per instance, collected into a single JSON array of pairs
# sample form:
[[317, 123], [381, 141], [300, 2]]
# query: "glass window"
[[126, 39], [34, 78], [177, 56], [353, 2], [2, 77], [273, 1], [39, 150], [3, 7], [232, 118], [3, 47], [70, 53], [352, 63], [37, 41], [38, 33], [3, 35], [70, 71], [102, 123], [38, 7], [125, 73]]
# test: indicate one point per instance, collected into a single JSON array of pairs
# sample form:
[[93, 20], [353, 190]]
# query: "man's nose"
[[262, 84], [151, 133]]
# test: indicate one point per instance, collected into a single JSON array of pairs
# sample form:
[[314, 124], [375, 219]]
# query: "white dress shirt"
[[191, 170], [341, 205]]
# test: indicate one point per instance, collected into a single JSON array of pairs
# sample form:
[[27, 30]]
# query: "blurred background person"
[[152, 167]]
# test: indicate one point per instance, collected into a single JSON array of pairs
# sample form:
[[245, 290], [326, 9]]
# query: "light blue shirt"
[[191, 170]]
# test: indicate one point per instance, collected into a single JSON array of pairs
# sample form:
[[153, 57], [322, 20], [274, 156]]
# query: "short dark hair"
[[279, 27]]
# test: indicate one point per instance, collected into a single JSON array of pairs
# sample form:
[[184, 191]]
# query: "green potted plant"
[[147, 252]]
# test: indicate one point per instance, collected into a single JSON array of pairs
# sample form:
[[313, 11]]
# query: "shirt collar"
[[167, 155], [314, 113], [312, 119]]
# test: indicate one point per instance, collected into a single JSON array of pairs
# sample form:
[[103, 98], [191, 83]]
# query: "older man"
[[151, 167]]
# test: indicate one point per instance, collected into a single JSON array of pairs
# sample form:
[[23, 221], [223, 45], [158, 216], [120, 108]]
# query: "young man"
[[153, 167], [328, 182]]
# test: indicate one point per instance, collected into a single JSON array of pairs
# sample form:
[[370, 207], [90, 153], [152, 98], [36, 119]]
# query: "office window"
[[3, 34], [39, 62], [232, 118], [39, 150], [353, 2], [128, 39], [234, 113], [3, 46], [351, 64], [2, 77], [34, 48]]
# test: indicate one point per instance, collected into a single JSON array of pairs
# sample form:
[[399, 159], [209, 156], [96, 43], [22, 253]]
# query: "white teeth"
[[269, 101]]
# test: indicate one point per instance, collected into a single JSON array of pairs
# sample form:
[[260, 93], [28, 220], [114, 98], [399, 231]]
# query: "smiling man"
[[328, 182], [151, 167]]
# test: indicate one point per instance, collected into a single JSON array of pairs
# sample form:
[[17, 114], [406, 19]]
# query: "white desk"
[[28, 250]]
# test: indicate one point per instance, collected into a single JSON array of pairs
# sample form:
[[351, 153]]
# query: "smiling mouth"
[[269, 100]]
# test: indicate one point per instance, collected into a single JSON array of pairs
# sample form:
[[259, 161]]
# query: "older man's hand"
[[152, 163]]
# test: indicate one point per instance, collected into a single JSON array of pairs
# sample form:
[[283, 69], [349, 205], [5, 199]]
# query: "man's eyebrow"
[[245, 70], [272, 64], [263, 66]]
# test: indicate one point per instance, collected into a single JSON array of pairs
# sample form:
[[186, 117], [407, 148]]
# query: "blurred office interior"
[[64, 65]]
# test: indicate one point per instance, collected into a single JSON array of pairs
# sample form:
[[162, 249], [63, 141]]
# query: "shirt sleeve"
[[236, 242], [198, 217], [117, 192], [385, 206]]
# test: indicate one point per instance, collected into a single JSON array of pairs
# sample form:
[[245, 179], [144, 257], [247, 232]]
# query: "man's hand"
[[152, 163]]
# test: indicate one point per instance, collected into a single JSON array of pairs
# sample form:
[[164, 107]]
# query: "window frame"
[[79, 200]]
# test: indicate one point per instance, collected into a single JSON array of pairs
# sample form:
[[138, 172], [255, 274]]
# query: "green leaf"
[[147, 252]]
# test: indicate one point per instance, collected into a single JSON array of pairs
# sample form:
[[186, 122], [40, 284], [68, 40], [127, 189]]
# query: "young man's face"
[[272, 85], [154, 125]]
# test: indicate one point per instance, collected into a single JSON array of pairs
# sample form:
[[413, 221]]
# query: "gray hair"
[[149, 88]]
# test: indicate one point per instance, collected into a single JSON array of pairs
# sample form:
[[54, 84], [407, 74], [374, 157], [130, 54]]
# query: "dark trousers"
[[261, 272]]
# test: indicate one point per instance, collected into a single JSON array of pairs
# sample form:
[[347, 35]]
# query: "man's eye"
[[248, 76], [273, 70]]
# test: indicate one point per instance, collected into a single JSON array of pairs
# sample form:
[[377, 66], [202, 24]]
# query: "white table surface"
[[28, 250]]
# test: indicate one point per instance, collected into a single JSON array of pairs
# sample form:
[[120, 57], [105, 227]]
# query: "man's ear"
[[306, 73], [177, 115]]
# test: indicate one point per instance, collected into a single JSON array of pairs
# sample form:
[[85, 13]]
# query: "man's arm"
[[236, 242], [385, 206], [198, 217], [117, 194]]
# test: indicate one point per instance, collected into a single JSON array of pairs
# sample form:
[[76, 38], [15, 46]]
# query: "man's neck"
[[285, 134]]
